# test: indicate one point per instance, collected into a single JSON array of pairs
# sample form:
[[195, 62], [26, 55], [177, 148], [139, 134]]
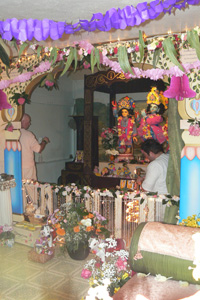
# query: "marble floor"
[[22, 279]]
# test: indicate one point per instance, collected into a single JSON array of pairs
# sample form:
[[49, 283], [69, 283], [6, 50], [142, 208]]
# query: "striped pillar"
[[190, 182], [12, 166]]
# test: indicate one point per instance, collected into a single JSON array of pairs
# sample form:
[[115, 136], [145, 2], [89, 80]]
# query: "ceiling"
[[73, 11]]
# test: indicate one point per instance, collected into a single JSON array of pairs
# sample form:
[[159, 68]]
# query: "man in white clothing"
[[29, 145], [155, 179]]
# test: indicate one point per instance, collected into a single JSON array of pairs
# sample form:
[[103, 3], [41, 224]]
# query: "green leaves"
[[171, 52], [70, 58], [22, 48], [123, 60], [4, 53], [141, 46], [193, 39], [156, 56], [94, 59]]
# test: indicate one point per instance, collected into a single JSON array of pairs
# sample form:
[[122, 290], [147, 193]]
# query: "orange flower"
[[60, 231], [89, 228], [90, 216], [76, 229], [57, 225], [98, 230]]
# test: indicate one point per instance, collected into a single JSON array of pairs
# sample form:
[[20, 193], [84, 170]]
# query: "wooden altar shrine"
[[111, 83]]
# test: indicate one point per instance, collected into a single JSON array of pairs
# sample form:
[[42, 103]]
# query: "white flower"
[[175, 198], [64, 193], [104, 52], [161, 278], [56, 190], [33, 46], [46, 49], [86, 222]]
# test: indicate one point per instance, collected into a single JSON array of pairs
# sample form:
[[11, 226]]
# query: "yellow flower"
[[125, 275], [116, 290]]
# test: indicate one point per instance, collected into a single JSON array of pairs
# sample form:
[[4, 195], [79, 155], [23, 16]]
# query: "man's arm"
[[43, 144]]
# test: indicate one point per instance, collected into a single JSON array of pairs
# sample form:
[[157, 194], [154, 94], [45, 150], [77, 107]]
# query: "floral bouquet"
[[110, 138], [108, 271], [76, 225], [6, 236]]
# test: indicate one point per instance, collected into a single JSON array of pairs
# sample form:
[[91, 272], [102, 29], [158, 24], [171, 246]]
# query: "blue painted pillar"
[[12, 166], [190, 182]]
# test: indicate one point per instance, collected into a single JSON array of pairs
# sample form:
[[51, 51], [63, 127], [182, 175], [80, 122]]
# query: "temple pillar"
[[12, 155]]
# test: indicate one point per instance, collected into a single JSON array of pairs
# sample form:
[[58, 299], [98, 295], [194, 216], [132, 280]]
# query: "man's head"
[[26, 121], [151, 149]]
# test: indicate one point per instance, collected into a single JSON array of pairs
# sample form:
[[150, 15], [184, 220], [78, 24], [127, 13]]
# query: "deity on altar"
[[127, 132], [150, 123]]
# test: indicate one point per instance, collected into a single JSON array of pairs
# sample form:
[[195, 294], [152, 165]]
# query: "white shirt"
[[155, 180]]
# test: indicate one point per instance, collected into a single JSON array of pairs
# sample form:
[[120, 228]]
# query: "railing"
[[123, 212]]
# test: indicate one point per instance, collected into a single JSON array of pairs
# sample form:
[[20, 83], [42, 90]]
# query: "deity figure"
[[152, 118], [126, 127]]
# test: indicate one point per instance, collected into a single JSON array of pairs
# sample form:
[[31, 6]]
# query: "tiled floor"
[[22, 279]]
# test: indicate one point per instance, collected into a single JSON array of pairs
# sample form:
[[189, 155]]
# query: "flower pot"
[[81, 253]]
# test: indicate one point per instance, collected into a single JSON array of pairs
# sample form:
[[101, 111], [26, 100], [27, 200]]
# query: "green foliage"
[[171, 52], [193, 39], [69, 60], [123, 60], [141, 46], [3, 54]]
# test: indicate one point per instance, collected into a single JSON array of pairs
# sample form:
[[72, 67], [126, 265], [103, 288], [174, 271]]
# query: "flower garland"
[[113, 18], [83, 51]]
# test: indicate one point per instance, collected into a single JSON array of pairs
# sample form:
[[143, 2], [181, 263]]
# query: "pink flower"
[[121, 264], [86, 273], [49, 83], [194, 130], [21, 101], [137, 48], [86, 65], [9, 127]]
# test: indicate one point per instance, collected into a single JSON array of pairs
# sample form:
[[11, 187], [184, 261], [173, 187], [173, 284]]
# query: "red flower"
[[115, 50], [159, 45]]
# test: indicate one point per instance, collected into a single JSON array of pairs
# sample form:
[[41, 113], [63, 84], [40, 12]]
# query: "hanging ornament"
[[179, 88]]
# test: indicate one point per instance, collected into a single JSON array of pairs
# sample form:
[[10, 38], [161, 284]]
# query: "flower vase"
[[81, 253]]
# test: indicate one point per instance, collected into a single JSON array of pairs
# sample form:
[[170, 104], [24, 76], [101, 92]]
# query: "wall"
[[50, 113]]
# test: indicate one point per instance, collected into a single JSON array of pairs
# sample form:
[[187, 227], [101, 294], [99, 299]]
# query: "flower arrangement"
[[6, 236], [110, 138], [191, 221], [20, 99], [194, 128], [108, 269], [75, 224]]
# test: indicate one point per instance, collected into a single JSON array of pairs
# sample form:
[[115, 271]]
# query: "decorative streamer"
[[27, 29]]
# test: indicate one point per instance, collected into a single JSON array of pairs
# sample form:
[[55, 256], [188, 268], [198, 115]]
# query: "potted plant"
[[75, 225]]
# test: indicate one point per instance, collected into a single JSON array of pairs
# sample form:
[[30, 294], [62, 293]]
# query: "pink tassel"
[[3, 101], [179, 88]]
